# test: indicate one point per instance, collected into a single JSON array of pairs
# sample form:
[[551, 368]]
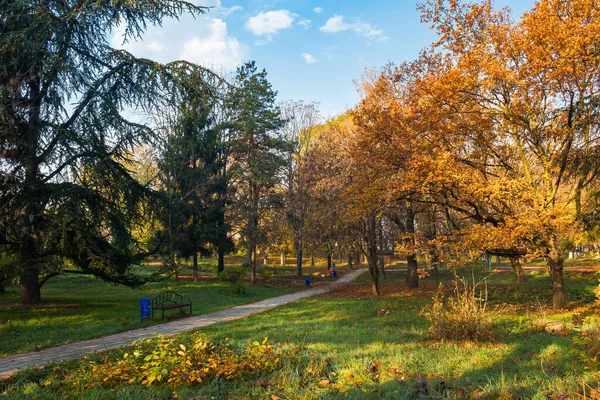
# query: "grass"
[[78, 307], [348, 348]]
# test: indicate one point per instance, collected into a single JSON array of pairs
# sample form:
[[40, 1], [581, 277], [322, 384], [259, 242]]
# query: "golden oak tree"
[[516, 104]]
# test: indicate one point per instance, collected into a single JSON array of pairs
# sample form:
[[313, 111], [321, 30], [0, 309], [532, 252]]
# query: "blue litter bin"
[[334, 273], [307, 281], [145, 309]]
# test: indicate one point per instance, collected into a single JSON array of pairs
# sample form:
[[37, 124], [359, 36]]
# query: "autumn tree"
[[300, 120], [515, 104]]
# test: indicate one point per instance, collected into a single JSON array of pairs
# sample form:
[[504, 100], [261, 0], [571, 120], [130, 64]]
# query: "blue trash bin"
[[145, 309], [307, 281], [334, 273]]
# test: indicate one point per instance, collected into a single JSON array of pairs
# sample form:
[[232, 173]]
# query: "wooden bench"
[[169, 301]]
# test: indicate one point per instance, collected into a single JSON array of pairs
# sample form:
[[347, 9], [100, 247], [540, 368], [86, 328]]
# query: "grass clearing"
[[78, 307], [350, 345]]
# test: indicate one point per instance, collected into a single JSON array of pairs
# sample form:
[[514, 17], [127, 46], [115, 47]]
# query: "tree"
[[258, 150], [300, 120], [66, 193], [190, 166], [517, 105]]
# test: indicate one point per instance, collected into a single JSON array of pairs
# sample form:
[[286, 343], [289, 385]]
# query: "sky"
[[313, 50]]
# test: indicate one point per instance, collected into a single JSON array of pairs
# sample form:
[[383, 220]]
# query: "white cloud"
[[304, 22], [225, 11], [309, 58], [318, 10], [202, 40], [156, 47], [215, 49], [269, 23], [337, 24]]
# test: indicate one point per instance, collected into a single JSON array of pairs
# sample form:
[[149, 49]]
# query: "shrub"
[[235, 276], [587, 347], [266, 275], [175, 362], [461, 316], [232, 275]]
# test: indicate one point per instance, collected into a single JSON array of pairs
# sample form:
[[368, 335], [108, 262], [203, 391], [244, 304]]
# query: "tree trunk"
[[381, 256], [517, 268], [252, 259], [195, 266], [29, 286], [265, 259], [299, 262], [29, 271], [555, 264], [349, 260], [222, 231], [412, 277], [436, 262], [372, 254], [253, 266], [358, 258], [220, 260], [328, 261], [340, 257], [299, 252], [252, 231], [312, 261]]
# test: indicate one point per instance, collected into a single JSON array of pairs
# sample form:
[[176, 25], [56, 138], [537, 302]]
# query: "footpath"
[[11, 364]]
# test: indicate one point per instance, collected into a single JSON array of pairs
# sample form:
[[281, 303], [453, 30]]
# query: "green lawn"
[[345, 348], [77, 307]]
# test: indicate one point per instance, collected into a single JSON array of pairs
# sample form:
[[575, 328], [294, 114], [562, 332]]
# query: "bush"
[[266, 275], [175, 362], [587, 347], [462, 316], [235, 276], [232, 275]]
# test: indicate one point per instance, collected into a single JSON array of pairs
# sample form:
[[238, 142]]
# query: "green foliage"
[[8, 270], [193, 151], [181, 361], [587, 347], [65, 191], [235, 276], [338, 347], [232, 275], [266, 275], [258, 148], [460, 316], [71, 300]]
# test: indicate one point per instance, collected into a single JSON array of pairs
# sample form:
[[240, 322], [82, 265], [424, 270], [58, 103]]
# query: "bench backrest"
[[170, 297]]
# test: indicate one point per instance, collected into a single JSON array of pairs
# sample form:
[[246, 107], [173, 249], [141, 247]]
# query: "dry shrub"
[[463, 315]]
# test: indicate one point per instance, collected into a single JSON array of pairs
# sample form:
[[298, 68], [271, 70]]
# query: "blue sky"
[[312, 50]]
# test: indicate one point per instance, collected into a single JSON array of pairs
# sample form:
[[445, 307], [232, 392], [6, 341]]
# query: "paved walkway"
[[14, 363]]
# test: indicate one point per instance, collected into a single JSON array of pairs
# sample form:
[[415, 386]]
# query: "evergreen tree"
[[258, 149], [191, 174], [65, 193]]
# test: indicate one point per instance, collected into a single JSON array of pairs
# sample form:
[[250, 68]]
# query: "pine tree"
[[258, 150]]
